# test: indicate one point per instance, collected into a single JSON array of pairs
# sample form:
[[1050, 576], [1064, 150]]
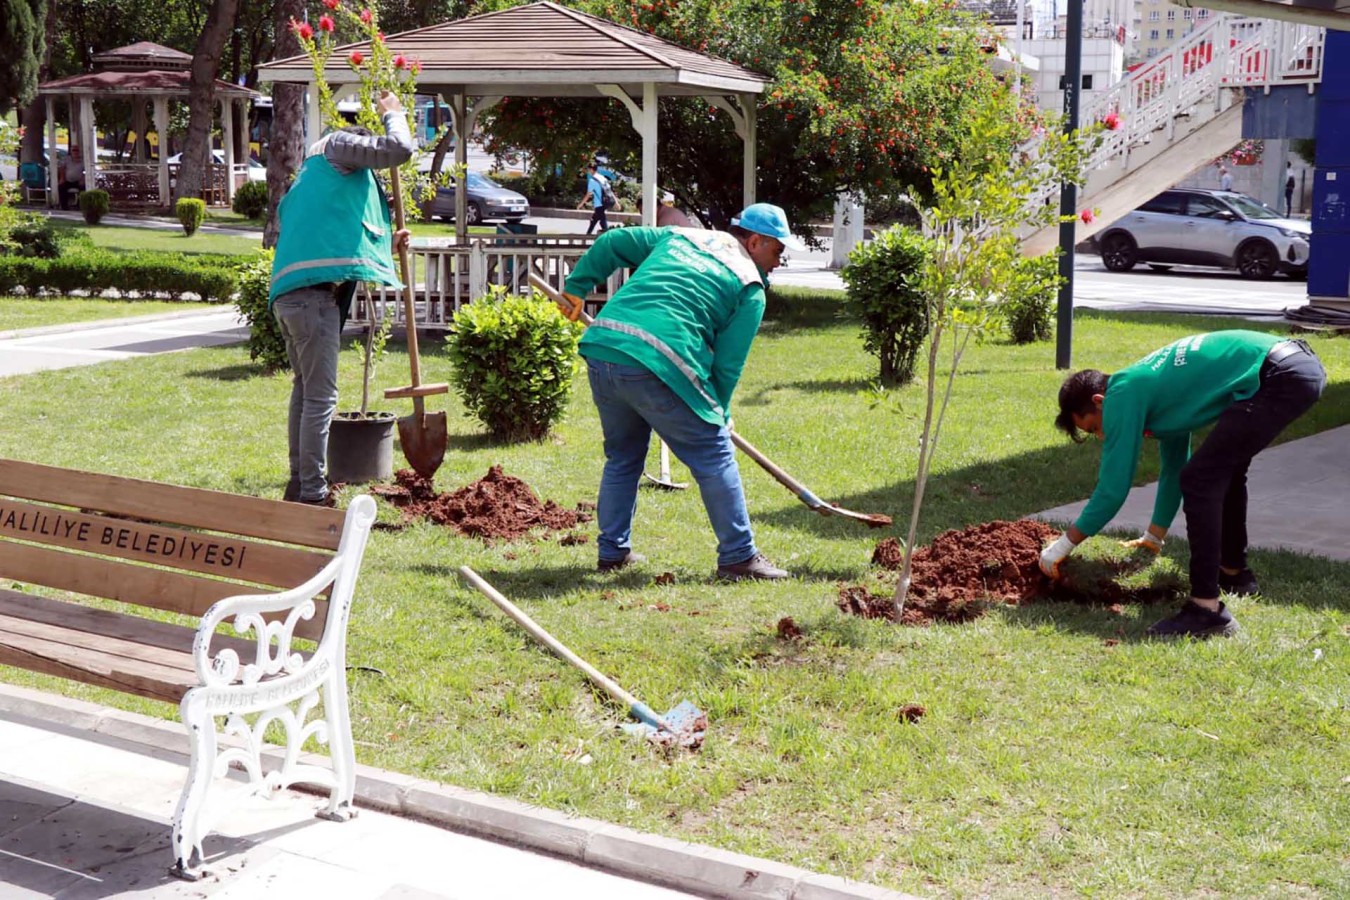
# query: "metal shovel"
[[684, 725], [873, 520], [422, 435]]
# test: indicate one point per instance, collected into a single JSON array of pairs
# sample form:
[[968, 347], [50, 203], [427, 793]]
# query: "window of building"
[[1171, 15], [1153, 16], [1152, 52], [1153, 34], [1171, 33], [1186, 13], [1202, 14], [1087, 82]]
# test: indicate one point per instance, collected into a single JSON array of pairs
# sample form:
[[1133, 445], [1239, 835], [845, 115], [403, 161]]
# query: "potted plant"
[[361, 442]]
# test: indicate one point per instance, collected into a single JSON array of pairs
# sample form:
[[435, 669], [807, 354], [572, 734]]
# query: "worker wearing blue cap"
[[665, 355]]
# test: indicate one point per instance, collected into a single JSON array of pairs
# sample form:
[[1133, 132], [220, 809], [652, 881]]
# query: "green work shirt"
[[687, 314], [1167, 395]]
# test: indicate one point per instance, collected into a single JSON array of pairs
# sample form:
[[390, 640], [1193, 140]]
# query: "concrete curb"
[[95, 324], [694, 868]]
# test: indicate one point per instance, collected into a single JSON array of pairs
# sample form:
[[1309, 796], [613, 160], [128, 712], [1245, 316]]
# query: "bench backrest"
[[156, 545]]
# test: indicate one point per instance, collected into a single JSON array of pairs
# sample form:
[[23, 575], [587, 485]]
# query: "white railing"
[[448, 275]]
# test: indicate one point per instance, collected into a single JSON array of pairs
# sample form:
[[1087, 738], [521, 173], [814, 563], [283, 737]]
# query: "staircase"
[[1181, 110]]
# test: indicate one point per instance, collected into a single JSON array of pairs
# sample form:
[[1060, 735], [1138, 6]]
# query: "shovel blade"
[[688, 724], [423, 438]]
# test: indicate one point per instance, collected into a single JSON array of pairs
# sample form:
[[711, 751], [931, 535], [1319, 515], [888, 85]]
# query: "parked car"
[[486, 200], [256, 171], [1195, 227]]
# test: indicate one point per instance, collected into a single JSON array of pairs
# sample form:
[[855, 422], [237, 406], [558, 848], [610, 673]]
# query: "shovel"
[[421, 435], [684, 725], [872, 520]]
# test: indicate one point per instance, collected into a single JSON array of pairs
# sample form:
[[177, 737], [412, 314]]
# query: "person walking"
[[665, 354], [1225, 179], [1250, 385], [595, 195], [1289, 185], [336, 231]]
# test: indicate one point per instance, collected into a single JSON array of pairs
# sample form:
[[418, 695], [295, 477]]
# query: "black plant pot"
[[361, 449]]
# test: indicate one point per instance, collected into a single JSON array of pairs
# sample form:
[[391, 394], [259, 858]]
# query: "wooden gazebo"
[[136, 73]]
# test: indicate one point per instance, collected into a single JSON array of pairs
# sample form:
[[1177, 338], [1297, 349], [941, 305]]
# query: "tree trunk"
[[286, 143], [33, 117], [202, 96]]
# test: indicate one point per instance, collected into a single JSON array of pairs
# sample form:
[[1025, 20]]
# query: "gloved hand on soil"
[[1053, 556], [1146, 541]]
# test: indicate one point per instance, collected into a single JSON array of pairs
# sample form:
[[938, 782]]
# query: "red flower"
[[366, 16], [331, 4], [1088, 216], [1112, 121], [327, 24], [356, 59], [379, 36], [415, 66], [400, 61], [302, 30]]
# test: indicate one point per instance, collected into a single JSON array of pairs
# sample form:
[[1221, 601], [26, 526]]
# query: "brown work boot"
[[756, 567], [630, 558]]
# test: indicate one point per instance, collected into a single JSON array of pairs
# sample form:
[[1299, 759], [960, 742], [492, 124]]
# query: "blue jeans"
[[309, 322], [633, 403]]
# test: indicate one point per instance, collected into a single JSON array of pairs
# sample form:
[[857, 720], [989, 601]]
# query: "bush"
[[32, 236], [881, 276], [265, 343], [250, 201], [94, 205], [211, 277], [514, 361], [191, 211], [1029, 299]]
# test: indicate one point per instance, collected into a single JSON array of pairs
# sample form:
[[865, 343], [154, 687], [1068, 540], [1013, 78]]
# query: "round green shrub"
[[191, 212], [265, 342], [514, 360], [94, 205], [1029, 298], [882, 277], [250, 201], [34, 236]]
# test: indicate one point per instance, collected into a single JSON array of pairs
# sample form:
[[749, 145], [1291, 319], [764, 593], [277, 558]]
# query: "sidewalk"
[[88, 794]]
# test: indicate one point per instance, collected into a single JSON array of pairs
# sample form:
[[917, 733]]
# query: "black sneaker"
[[757, 567], [1196, 622], [613, 565], [1243, 584]]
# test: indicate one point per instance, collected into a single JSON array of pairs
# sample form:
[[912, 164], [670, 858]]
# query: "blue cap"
[[770, 221]]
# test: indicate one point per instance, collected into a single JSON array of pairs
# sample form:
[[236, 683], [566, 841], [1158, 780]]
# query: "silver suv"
[[1207, 228]]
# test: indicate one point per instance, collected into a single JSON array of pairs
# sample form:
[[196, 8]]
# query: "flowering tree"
[[981, 205], [866, 95]]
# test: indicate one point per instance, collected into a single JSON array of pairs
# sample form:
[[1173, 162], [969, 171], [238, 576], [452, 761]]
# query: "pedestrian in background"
[[595, 194], [1289, 185], [1225, 179]]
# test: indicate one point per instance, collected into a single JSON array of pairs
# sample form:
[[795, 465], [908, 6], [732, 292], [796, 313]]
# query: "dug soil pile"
[[961, 572], [496, 507]]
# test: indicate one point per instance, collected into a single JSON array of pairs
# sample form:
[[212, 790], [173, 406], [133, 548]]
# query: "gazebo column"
[[53, 182], [645, 123], [464, 115], [313, 115], [138, 126], [162, 138], [88, 142], [741, 108], [227, 137]]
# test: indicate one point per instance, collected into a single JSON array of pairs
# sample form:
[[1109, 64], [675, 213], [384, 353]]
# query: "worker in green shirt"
[[665, 355], [1249, 385]]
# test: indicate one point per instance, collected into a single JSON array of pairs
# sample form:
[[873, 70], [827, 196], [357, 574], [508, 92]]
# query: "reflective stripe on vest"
[[664, 349], [320, 263]]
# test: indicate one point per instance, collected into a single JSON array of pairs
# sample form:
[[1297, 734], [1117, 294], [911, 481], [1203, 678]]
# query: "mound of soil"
[[788, 630], [495, 507], [954, 578]]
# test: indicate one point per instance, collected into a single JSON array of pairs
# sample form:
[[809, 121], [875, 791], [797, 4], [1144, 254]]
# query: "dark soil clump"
[[911, 712], [788, 629], [888, 554], [496, 507]]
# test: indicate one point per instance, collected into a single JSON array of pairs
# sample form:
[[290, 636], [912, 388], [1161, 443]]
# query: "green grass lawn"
[[24, 312], [125, 237], [1049, 763]]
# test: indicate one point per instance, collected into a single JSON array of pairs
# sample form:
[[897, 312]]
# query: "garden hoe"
[[422, 434], [683, 726], [872, 520]]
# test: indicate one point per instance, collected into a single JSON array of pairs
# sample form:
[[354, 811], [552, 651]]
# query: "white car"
[[256, 171]]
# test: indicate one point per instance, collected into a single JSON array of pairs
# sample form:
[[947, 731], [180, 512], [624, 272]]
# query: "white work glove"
[[1145, 541], [1053, 556]]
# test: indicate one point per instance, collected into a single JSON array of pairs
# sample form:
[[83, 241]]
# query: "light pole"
[[1068, 191]]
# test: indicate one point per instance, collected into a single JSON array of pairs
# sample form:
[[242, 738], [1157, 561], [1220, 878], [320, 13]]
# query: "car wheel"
[[474, 214], [1119, 253], [1157, 268], [1257, 260]]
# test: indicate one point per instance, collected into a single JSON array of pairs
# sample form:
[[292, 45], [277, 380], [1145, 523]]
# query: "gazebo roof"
[[143, 55], [148, 82], [541, 50]]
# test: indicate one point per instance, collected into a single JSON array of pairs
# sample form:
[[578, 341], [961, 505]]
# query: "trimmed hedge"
[[94, 205], [212, 277], [191, 213], [265, 341], [250, 200]]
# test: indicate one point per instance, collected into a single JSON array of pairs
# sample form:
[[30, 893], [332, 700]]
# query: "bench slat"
[[130, 583], [223, 556], [292, 523], [90, 666]]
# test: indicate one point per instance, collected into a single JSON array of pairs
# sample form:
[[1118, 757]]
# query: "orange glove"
[[574, 306], [1145, 541]]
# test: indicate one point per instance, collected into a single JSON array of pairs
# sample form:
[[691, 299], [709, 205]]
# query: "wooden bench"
[[268, 589]]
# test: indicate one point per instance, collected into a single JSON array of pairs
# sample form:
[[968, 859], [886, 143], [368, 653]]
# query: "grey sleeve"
[[350, 152]]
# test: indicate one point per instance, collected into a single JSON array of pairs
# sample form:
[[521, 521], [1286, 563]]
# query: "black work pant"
[[598, 216], [1214, 481]]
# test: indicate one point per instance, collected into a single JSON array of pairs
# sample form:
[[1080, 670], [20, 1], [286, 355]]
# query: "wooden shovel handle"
[[409, 316]]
